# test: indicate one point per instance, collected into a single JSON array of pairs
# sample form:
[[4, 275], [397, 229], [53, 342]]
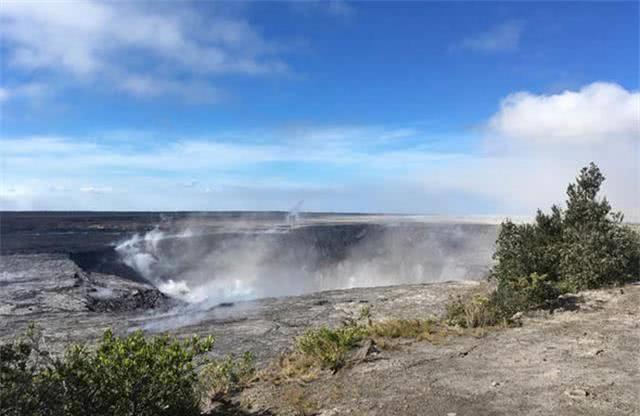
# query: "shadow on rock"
[[229, 408], [574, 303]]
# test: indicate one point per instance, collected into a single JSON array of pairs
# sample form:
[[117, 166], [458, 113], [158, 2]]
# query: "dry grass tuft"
[[292, 365], [474, 312], [402, 328], [295, 398], [228, 375]]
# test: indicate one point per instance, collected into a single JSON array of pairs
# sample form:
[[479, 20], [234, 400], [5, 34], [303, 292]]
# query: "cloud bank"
[[595, 113], [527, 152], [102, 42]]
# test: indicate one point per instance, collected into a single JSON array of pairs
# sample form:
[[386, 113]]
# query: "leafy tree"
[[585, 246]]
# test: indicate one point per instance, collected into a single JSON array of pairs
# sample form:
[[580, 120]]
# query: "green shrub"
[[329, 347], [364, 313], [122, 376], [584, 246], [27, 386], [227, 375], [454, 312], [523, 294]]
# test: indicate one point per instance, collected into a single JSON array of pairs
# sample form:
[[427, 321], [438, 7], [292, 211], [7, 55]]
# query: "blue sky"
[[417, 107]]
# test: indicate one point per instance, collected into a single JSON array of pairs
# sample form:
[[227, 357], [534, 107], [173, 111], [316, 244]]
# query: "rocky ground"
[[71, 305], [36, 285], [583, 360]]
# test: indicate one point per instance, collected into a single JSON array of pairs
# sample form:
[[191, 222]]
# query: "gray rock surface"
[[40, 284], [583, 361], [72, 306]]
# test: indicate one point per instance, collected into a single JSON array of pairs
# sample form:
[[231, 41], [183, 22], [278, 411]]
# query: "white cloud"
[[95, 40], [339, 8], [357, 168], [190, 184], [336, 8], [597, 112], [536, 139], [337, 146], [45, 145], [151, 87], [31, 90], [504, 37], [96, 189]]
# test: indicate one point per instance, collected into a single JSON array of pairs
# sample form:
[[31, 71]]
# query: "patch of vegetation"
[[585, 246], [132, 375], [402, 328], [292, 365], [228, 375], [297, 400], [477, 312], [316, 350], [523, 294], [364, 314], [327, 347]]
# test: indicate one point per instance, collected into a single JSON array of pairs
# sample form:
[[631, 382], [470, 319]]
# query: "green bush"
[[27, 385], [326, 348], [585, 246], [329, 347], [227, 375], [122, 376], [531, 292]]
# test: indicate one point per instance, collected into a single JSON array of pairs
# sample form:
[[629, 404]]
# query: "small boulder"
[[368, 348], [577, 393]]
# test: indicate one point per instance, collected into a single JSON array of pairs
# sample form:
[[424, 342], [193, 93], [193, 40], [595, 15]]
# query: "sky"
[[462, 108]]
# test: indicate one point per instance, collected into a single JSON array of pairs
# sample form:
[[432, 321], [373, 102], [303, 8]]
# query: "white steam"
[[139, 252], [208, 267]]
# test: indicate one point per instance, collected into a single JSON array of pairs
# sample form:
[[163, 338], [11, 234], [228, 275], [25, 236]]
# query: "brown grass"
[[402, 328], [295, 398]]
